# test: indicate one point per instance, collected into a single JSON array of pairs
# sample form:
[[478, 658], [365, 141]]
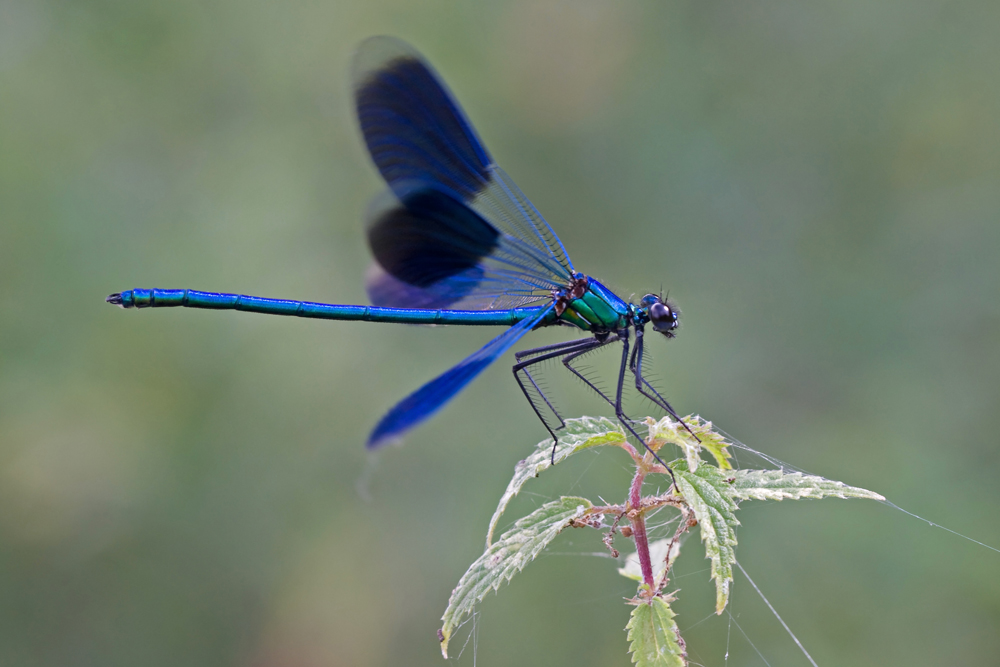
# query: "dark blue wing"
[[425, 401], [429, 247], [413, 128], [433, 251], [421, 142]]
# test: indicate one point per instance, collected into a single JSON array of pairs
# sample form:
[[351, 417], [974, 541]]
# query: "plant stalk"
[[637, 519]]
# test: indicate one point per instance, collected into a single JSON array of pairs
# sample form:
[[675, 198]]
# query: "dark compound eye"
[[649, 300], [664, 319]]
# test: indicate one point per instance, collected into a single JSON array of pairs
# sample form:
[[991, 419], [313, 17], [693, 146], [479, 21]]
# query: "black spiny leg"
[[646, 389], [568, 363], [536, 356], [620, 414]]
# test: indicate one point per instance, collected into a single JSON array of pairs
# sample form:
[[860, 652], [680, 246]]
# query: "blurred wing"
[[433, 251], [420, 140], [425, 401]]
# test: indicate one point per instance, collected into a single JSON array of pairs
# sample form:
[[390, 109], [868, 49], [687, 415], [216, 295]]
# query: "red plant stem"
[[639, 528]]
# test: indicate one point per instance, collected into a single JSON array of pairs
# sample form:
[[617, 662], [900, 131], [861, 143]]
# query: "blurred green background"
[[817, 185]]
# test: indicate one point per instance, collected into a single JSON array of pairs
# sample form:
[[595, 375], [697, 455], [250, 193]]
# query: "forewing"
[[427, 400], [418, 136], [413, 128]]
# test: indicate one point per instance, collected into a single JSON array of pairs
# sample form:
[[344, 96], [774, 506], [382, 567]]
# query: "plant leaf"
[[707, 492], [667, 430], [711, 440], [657, 556], [500, 562], [654, 636], [579, 434], [778, 485]]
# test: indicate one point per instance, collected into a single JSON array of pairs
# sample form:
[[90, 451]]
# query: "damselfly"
[[456, 242]]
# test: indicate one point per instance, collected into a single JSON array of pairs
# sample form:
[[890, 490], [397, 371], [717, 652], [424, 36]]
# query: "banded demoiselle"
[[456, 242]]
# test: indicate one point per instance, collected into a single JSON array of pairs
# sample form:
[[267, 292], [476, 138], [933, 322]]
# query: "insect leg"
[[620, 414], [645, 388], [568, 363], [536, 356]]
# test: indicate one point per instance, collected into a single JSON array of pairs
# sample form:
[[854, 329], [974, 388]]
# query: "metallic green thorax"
[[597, 309]]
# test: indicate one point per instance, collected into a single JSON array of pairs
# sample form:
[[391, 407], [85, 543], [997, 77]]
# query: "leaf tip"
[[443, 640]]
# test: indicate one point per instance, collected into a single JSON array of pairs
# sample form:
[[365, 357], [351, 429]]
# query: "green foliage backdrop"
[[815, 183]]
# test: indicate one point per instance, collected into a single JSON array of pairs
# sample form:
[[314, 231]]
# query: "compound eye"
[[662, 317], [649, 300]]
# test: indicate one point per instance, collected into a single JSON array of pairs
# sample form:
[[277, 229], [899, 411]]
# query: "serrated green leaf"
[[657, 556], [654, 636], [669, 431], [500, 562], [578, 434], [779, 485], [707, 492], [716, 445]]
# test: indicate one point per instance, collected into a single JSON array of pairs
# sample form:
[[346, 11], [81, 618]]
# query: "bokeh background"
[[817, 185]]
